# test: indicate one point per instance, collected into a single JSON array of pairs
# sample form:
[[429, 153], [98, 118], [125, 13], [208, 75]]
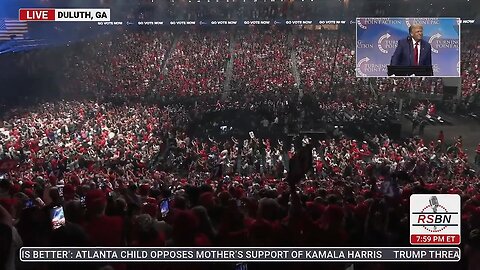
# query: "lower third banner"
[[251, 254]]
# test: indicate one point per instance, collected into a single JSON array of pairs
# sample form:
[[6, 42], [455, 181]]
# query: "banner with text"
[[64, 14], [241, 254]]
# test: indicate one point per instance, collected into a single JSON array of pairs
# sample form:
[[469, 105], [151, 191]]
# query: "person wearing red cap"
[[186, 230], [28, 184], [150, 207], [102, 230], [332, 226], [68, 192], [29, 192], [260, 233], [207, 200], [143, 191]]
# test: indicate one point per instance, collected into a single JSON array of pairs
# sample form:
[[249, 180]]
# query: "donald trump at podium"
[[413, 50]]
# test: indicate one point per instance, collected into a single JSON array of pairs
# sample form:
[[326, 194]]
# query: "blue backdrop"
[[377, 39]]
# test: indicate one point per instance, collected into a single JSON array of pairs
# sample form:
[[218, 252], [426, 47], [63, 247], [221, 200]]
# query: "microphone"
[[434, 204]]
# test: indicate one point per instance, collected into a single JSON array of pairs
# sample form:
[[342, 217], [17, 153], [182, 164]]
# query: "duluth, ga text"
[[82, 15]]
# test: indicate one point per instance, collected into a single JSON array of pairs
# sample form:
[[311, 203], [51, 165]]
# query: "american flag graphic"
[[13, 29]]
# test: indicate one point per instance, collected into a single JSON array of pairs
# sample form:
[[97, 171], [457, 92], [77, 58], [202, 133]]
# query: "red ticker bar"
[[438, 239], [36, 14]]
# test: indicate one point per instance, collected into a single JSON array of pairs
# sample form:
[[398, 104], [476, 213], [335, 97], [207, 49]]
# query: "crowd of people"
[[197, 65], [129, 64], [470, 65], [315, 53], [433, 86], [262, 62], [110, 166], [136, 172]]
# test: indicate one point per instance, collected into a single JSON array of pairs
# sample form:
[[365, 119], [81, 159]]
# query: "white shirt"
[[418, 56]]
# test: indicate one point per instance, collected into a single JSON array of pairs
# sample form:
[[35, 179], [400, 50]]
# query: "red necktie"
[[416, 54]]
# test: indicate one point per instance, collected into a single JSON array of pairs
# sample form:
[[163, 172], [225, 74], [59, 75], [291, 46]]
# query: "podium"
[[410, 70]]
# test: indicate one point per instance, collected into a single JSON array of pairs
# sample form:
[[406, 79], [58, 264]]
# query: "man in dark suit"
[[413, 50]]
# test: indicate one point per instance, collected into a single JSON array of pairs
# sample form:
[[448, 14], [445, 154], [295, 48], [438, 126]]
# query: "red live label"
[[440, 239], [34, 14]]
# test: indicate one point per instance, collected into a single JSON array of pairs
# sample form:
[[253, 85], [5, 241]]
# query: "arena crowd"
[[111, 163]]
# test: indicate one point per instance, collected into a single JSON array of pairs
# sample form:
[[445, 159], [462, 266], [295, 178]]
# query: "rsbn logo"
[[435, 219]]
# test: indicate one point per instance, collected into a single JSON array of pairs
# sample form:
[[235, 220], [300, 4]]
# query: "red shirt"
[[105, 231]]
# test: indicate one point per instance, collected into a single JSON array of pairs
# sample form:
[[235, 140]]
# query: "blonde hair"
[[414, 26]]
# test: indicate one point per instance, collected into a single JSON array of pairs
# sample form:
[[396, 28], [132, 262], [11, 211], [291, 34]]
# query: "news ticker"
[[240, 254]]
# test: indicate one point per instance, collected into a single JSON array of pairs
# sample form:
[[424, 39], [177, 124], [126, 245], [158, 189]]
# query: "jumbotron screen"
[[410, 42]]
